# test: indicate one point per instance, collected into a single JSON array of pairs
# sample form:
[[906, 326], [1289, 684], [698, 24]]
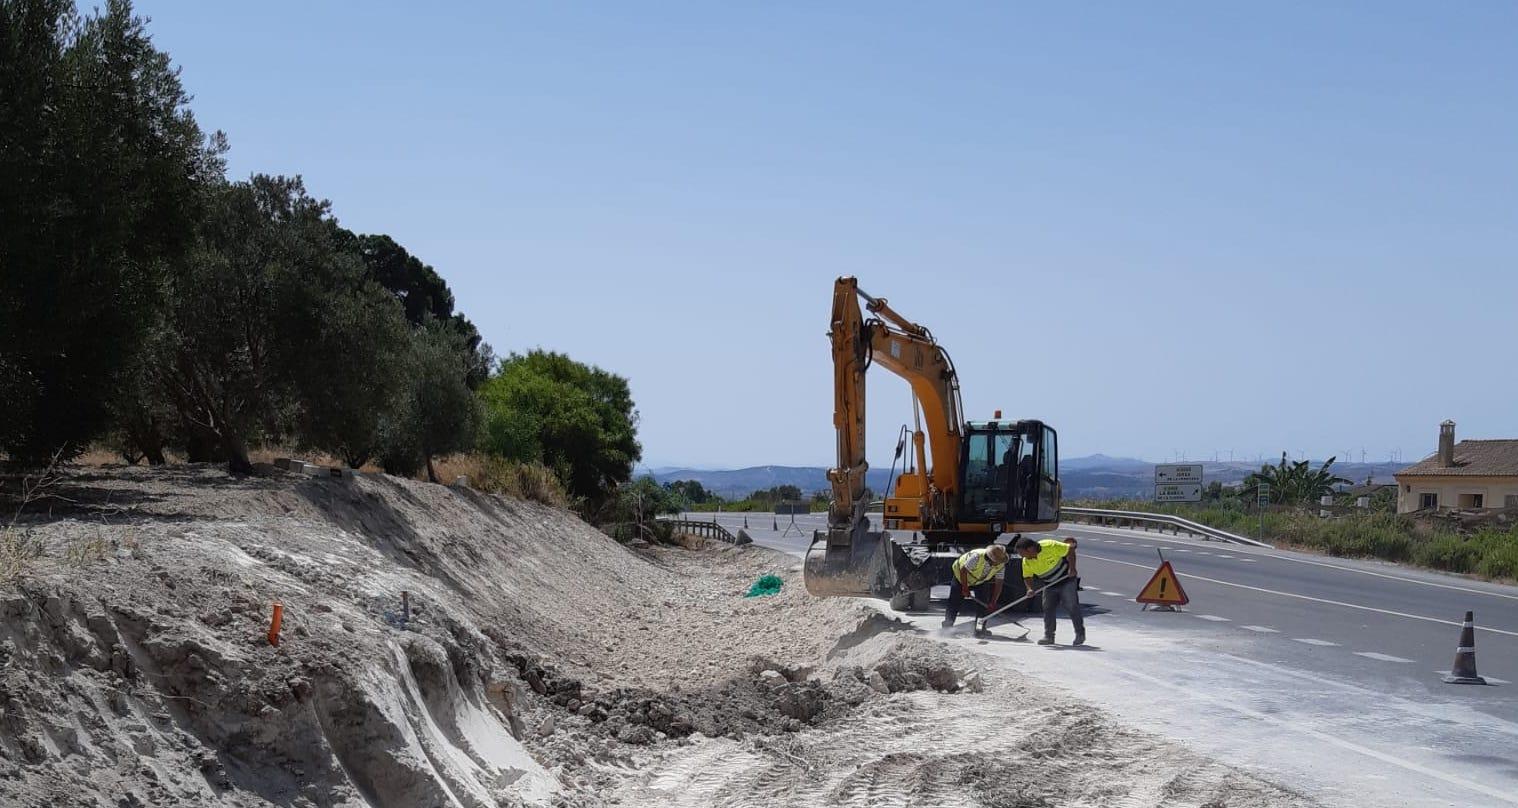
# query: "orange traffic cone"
[[1463, 672]]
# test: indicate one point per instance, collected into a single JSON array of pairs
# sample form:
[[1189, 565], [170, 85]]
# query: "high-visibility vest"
[[1050, 563], [977, 566]]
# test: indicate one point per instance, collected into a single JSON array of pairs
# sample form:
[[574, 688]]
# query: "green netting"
[[766, 585]]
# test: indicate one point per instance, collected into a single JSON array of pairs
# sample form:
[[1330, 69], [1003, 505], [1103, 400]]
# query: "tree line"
[[150, 301]]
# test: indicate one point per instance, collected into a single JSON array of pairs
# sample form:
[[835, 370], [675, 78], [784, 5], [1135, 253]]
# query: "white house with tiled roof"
[[1468, 475]]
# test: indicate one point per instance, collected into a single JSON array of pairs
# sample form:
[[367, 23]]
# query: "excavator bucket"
[[863, 563]]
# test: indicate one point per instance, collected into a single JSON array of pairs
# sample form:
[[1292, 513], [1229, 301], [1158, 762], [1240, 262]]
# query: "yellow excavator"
[[961, 485]]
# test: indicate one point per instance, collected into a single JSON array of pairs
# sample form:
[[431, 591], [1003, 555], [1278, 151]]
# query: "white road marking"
[[1180, 550], [1265, 553], [1203, 552], [1398, 760], [1214, 618], [1114, 594], [1381, 657], [1224, 555], [1312, 641], [1246, 561], [1262, 629], [1414, 707], [1110, 541], [1313, 599]]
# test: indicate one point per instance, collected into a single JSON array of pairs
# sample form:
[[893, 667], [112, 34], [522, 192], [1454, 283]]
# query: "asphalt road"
[[1318, 670]]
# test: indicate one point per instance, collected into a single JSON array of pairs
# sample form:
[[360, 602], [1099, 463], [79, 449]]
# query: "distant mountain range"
[[1092, 477]]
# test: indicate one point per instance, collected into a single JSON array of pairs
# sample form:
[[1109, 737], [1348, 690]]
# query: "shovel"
[[980, 625]]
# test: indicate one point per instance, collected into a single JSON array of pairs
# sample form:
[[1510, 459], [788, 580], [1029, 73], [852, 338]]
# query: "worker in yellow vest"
[[980, 571], [1049, 568]]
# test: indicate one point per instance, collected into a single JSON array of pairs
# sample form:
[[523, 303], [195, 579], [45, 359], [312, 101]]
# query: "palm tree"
[[1291, 483]]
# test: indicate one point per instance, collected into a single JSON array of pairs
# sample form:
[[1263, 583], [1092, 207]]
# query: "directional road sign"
[[1178, 473], [1184, 492]]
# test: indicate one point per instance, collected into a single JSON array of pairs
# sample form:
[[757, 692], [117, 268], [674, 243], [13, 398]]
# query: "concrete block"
[[461, 481]]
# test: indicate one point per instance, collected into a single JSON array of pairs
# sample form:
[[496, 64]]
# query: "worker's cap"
[[997, 554]]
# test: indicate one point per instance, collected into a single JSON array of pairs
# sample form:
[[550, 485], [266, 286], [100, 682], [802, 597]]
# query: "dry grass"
[[99, 456], [85, 551], [530, 481], [18, 551]]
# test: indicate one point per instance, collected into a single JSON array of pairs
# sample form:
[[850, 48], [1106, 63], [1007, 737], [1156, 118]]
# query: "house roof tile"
[[1472, 458]]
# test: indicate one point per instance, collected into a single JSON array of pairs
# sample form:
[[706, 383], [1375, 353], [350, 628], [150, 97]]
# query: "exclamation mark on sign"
[[1162, 588]]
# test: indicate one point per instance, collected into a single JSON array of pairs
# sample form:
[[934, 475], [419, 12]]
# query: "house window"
[[1427, 501], [1471, 500], [1510, 501]]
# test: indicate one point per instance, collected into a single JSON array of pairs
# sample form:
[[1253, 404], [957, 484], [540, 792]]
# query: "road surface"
[[1320, 673]]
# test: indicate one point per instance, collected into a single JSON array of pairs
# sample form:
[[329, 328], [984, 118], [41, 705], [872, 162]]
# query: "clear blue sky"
[[1162, 227]]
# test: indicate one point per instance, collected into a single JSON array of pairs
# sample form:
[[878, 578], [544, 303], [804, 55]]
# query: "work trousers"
[[957, 601], [1063, 595]]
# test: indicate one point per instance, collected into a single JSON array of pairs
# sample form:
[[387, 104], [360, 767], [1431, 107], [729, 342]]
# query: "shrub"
[[1449, 552], [1500, 561], [530, 481]]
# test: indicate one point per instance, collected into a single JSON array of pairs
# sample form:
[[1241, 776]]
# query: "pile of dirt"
[[441, 647]]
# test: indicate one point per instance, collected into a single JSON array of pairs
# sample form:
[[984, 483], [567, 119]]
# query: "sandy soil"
[[541, 664]]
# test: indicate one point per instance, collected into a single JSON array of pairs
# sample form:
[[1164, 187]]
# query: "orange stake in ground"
[[279, 617]]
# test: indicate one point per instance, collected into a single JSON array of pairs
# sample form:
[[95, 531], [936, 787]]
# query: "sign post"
[[1262, 498], [1178, 482]]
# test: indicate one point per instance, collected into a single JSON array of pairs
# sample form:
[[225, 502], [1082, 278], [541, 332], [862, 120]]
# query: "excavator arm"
[[909, 351]]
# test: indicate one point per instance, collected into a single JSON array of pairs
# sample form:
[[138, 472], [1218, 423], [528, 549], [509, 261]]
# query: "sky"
[[1170, 229]]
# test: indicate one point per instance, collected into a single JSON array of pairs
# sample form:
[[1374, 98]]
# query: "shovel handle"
[[1054, 582]]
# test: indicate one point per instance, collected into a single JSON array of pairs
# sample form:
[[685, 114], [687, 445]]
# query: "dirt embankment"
[[541, 664]]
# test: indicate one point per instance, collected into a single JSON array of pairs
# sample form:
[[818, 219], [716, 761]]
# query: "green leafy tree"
[[101, 165], [439, 413], [691, 491], [342, 339], [779, 493], [224, 373], [640, 499], [423, 294], [1292, 482], [276, 328], [577, 419], [349, 363]]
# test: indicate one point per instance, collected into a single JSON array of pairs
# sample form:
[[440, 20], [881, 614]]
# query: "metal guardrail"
[[1139, 519], [710, 530]]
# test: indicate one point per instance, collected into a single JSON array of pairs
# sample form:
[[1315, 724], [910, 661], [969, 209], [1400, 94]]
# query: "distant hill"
[[1105, 463], [1092, 477], [737, 483]]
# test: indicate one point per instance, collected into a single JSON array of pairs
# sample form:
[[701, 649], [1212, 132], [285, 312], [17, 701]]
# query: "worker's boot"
[[1046, 641], [948, 622], [1080, 639]]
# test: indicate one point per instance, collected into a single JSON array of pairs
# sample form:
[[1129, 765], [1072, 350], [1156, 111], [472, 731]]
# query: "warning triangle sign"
[[1163, 588]]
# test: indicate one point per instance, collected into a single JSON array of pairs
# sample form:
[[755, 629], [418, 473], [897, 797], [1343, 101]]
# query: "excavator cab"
[[1009, 477]]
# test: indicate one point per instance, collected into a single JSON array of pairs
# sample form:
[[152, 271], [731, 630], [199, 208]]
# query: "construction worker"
[[981, 571], [1049, 567]]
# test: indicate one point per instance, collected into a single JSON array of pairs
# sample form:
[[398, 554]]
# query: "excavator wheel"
[[915, 600]]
